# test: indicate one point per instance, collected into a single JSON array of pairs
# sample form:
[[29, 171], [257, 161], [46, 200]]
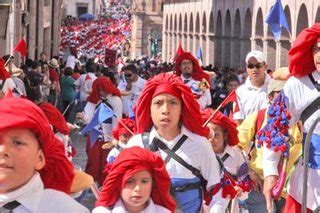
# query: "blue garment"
[[189, 201], [314, 153]]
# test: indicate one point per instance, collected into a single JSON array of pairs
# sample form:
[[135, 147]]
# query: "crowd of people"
[[160, 137]]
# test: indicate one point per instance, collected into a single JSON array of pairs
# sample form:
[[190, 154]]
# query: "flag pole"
[[216, 110]]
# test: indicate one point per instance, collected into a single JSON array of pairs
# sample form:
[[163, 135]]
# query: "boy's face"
[[218, 141], [20, 157]]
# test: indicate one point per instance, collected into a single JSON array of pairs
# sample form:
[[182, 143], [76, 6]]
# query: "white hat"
[[260, 56]]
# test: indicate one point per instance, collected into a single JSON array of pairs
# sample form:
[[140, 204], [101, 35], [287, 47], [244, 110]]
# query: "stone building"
[[38, 21], [227, 29], [146, 26], [76, 8]]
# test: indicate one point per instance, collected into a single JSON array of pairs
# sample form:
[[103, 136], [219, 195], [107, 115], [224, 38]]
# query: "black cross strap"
[[314, 82], [11, 205], [176, 147], [225, 157]]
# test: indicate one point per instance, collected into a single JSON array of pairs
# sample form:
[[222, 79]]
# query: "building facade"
[[37, 21], [228, 29], [146, 26], [76, 8]]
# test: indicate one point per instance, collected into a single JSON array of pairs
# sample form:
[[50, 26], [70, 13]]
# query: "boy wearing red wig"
[[34, 171]]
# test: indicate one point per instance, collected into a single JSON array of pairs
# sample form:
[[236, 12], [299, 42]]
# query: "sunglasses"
[[258, 65], [128, 75]]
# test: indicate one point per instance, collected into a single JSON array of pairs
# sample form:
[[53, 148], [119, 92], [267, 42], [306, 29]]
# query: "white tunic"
[[301, 93], [232, 165], [85, 86], [196, 151], [205, 96], [115, 152], [131, 99], [116, 104], [34, 198], [119, 208], [251, 98]]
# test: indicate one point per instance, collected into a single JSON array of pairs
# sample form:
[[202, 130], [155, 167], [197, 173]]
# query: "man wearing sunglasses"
[[130, 86], [252, 95]]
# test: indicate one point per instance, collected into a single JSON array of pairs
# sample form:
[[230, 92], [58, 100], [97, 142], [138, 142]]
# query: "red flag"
[[179, 52], [21, 47], [232, 97]]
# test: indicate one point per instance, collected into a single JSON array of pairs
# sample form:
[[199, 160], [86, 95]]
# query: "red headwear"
[[129, 162], [55, 118], [105, 84], [197, 73], [4, 74], [301, 61], [171, 84], [224, 122], [121, 130], [21, 113]]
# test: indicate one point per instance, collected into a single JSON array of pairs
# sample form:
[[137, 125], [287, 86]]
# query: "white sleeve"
[[210, 168], [88, 112], [8, 84], [218, 204], [208, 96], [270, 161], [240, 114]]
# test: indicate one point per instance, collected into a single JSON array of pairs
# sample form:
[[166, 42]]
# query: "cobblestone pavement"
[[80, 160]]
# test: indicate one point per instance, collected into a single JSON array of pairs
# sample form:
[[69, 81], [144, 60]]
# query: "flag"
[[179, 52], [131, 112], [21, 47], [232, 97], [102, 113], [199, 54], [94, 135], [276, 20]]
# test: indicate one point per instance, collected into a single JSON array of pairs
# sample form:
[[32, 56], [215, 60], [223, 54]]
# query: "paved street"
[[80, 160]]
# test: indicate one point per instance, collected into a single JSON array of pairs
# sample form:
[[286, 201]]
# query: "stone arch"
[[236, 47], [171, 22], [302, 21], [180, 23], [191, 24], [218, 43], [197, 23], [211, 23], [285, 39], [317, 20], [227, 44], [185, 23], [259, 30], [204, 23], [247, 33]]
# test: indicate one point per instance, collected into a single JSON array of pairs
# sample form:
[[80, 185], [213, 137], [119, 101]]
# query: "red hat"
[[129, 162], [55, 118], [4, 74], [301, 61], [21, 113], [121, 130], [197, 73], [224, 122], [105, 84], [171, 84]]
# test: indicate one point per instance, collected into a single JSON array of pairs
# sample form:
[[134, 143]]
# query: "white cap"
[[258, 55]]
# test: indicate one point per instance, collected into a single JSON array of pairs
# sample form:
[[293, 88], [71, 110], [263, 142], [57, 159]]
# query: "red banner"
[[110, 57]]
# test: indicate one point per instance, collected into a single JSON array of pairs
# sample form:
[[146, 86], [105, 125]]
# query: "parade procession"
[[183, 106]]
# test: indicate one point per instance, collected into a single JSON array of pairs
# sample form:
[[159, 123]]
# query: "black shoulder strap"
[[316, 84], [177, 158], [225, 157], [312, 108], [3, 81], [176, 147], [119, 148]]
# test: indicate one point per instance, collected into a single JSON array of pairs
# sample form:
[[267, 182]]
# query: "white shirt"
[[85, 86], [196, 151], [19, 86], [71, 61], [251, 98], [120, 208], [205, 96], [131, 99], [301, 93], [34, 198], [232, 165], [116, 104], [8, 84], [115, 152]]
